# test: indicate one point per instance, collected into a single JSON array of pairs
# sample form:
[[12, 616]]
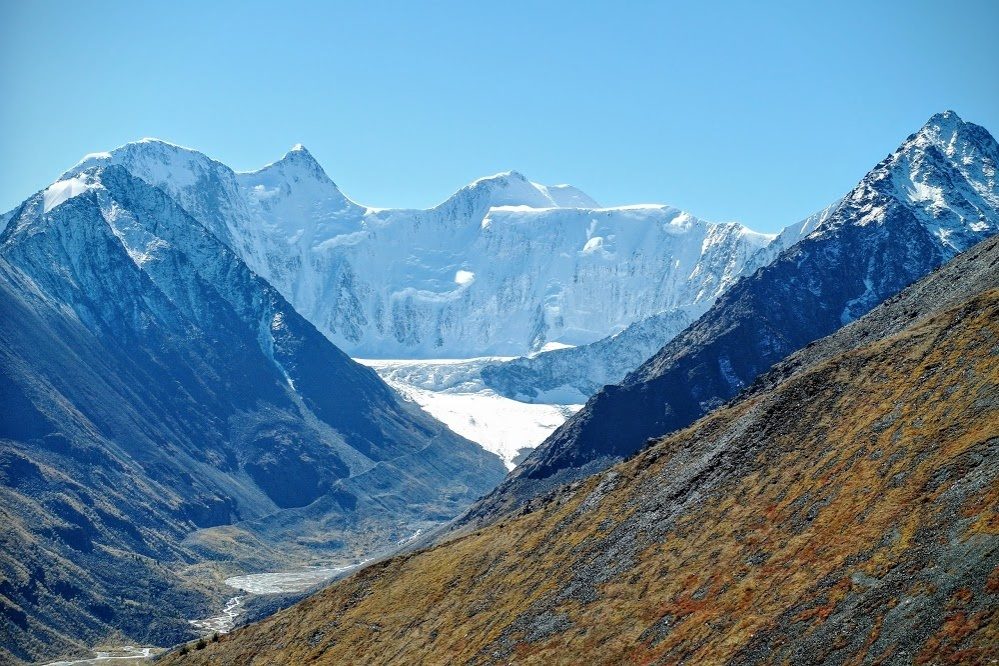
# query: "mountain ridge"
[[894, 227], [170, 419], [841, 513], [498, 268]]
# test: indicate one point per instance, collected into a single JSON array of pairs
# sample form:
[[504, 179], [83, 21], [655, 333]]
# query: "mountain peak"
[[291, 185], [300, 152], [298, 160], [942, 173], [949, 131], [502, 179], [160, 142], [154, 160], [944, 118], [512, 188]]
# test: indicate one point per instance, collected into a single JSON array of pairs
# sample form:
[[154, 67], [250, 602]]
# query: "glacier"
[[503, 267], [453, 392]]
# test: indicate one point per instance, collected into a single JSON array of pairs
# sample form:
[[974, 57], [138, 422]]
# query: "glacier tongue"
[[453, 392]]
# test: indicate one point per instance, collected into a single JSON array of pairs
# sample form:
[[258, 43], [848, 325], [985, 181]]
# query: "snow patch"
[[63, 190], [284, 582], [593, 245], [552, 346], [725, 366]]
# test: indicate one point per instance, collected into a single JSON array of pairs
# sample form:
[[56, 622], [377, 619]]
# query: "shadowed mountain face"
[[935, 196], [164, 406], [844, 510]]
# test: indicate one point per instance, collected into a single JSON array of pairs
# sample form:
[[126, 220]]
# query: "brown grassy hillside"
[[846, 515]]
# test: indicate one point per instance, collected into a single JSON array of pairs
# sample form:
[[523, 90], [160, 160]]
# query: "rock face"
[[163, 406], [935, 196], [844, 510], [502, 267]]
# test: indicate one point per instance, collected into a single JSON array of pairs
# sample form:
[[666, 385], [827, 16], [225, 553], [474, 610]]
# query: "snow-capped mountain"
[[163, 406], [935, 196], [573, 374], [502, 267]]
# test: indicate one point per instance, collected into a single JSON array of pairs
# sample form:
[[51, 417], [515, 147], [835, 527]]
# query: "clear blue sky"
[[759, 112]]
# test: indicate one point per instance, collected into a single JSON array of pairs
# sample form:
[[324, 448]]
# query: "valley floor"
[[120, 656]]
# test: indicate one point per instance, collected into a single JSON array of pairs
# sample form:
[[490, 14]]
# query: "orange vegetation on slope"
[[848, 515]]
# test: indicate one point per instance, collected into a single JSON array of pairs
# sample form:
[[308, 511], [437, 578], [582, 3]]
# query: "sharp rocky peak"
[[943, 174], [945, 118], [948, 132], [295, 179]]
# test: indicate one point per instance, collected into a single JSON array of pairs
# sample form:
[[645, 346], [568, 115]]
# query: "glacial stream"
[[271, 582], [126, 654]]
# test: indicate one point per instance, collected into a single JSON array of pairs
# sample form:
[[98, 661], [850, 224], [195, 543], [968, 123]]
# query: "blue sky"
[[758, 112]]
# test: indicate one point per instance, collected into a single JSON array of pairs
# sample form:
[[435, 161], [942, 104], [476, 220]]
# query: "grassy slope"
[[849, 515]]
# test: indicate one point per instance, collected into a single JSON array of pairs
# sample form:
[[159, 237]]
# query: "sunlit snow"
[[62, 190], [451, 391]]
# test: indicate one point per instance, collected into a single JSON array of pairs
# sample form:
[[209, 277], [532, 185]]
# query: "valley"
[[499, 334], [242, 398], [841, 511]]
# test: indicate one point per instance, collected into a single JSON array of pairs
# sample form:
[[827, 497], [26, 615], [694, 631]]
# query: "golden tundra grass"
[[736, 561]]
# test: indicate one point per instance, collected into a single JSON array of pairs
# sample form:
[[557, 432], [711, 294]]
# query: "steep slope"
[[933, 197], [788, 236], [573, 374], [164, 406], [846, 513], [502, 267]]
